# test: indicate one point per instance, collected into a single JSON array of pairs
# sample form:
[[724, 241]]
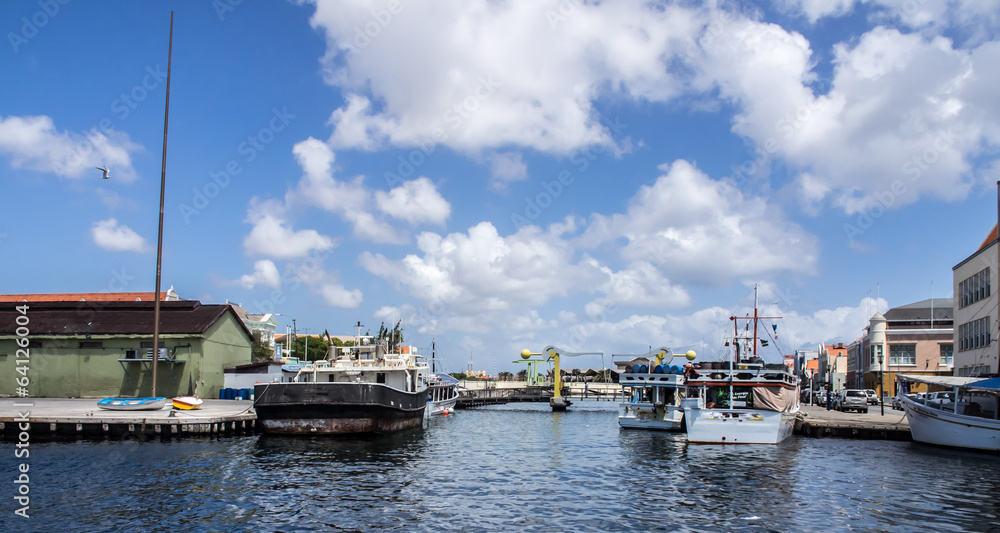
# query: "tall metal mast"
[[159, 236]]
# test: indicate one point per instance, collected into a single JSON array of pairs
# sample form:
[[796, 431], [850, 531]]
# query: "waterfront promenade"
[[816, 421]]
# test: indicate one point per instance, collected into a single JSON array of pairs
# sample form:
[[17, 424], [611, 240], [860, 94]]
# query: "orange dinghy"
[[187, 402]]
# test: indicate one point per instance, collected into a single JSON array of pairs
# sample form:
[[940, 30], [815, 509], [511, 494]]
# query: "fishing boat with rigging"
[[366, 388], [652, 392], [742, 400]]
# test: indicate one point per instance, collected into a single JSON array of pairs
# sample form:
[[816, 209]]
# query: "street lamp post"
[[881, 382]]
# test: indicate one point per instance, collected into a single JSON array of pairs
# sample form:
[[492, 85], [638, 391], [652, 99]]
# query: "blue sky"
[[506, 175]]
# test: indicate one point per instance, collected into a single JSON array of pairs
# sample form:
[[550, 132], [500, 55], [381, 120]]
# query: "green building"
[[73, 349]]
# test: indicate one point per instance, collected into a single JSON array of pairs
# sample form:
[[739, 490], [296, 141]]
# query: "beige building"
[[976, 308], [833, 365], [909, 339]]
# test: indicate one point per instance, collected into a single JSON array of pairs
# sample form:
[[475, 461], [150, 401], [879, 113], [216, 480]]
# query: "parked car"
[[897, 404], [939, 398], [819, 398], [852, 400], [872, 397]]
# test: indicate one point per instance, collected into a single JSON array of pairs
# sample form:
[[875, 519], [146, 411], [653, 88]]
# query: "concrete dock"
[[46, 419], [816, 421]]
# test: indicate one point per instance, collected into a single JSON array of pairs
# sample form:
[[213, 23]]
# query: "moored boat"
[[132, 404], [652, 394], [365, 389], [187, 403], [744, 400], [442, 394], [965, 419]]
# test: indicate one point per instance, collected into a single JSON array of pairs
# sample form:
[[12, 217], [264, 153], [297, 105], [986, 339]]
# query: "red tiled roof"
[[84, 296], [989, 238]]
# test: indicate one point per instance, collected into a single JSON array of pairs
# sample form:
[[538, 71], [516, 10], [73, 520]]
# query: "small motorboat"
[[187, 402], [132, 404]]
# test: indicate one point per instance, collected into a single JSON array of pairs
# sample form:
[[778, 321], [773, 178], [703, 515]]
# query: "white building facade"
[[976, 311]]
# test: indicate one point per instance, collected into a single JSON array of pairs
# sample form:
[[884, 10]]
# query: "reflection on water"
[[515, 467]]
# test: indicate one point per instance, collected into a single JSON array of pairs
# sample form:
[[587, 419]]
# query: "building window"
[[947, 354], [973, 371], [91, 344], [147, 348], [975, 334], [903, 354], [974, 288]]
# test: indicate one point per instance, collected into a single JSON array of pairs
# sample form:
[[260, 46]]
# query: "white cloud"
[[351, 200], [264, 273], [642, 284], [482, 271], [273, 237], [903, 117], [416, 201], [111, 235], [694, 229], [507, 167], [336, 295], [817, 9], [32, 142], [476, 75], [976, 19]]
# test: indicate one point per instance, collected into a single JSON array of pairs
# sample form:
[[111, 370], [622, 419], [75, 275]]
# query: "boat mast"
[[433, 356], [159, 236], [755, 320]]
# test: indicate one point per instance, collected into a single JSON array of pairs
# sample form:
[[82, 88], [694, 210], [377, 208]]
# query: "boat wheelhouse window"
[[380, 377]]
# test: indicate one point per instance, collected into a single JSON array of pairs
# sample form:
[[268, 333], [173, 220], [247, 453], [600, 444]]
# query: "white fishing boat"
[[363, 389], [652, 394], [442, 394], [742, 400], [966, 418], [442, 389]]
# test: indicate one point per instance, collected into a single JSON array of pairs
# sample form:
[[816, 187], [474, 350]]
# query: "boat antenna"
[[357, 340]]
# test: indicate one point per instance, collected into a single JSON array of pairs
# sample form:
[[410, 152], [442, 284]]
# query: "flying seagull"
[[105, 169]]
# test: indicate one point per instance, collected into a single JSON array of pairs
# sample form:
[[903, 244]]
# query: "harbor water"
[[515, 467]]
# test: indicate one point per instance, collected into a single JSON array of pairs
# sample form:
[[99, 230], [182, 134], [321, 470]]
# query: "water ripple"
[[518, 467]]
